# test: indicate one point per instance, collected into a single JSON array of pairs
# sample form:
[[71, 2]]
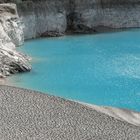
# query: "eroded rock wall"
[[45, 17], [106, 13], [11, 35], [55, 17]]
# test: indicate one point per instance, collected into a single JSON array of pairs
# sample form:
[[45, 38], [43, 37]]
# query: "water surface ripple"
[[103, 69]]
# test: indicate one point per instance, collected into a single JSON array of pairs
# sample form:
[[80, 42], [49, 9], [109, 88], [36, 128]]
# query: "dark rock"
[[52, 34]]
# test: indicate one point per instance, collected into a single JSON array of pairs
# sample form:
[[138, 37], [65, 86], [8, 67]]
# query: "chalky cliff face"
[[11, 35], [55, 17]]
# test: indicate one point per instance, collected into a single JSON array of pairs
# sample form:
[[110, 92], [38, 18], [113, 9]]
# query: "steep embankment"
[[55, 17], [11, 35]]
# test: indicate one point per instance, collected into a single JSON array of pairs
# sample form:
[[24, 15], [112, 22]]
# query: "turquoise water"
[[102, 69]]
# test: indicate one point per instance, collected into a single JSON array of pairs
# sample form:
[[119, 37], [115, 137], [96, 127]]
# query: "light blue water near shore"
[[102, 69]]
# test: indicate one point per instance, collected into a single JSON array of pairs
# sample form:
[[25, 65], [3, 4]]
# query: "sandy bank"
[[27, 114]]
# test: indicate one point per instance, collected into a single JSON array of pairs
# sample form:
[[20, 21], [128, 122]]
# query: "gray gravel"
[[30, 115]]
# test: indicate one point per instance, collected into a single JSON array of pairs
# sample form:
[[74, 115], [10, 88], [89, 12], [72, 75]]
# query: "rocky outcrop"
[[55, 17], [11, 35]]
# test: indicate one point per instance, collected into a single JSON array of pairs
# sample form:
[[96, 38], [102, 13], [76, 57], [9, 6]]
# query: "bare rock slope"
[[11, 35]]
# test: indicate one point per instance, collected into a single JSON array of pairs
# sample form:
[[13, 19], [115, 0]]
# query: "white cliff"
[[54, 17], [11, 35]]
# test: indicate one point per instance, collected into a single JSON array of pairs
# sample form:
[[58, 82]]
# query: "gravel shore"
[[30, 115]]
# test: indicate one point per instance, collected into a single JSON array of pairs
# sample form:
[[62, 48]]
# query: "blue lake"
[[102, 69]]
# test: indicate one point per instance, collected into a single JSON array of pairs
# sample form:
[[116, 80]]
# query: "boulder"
[[11, 36]]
